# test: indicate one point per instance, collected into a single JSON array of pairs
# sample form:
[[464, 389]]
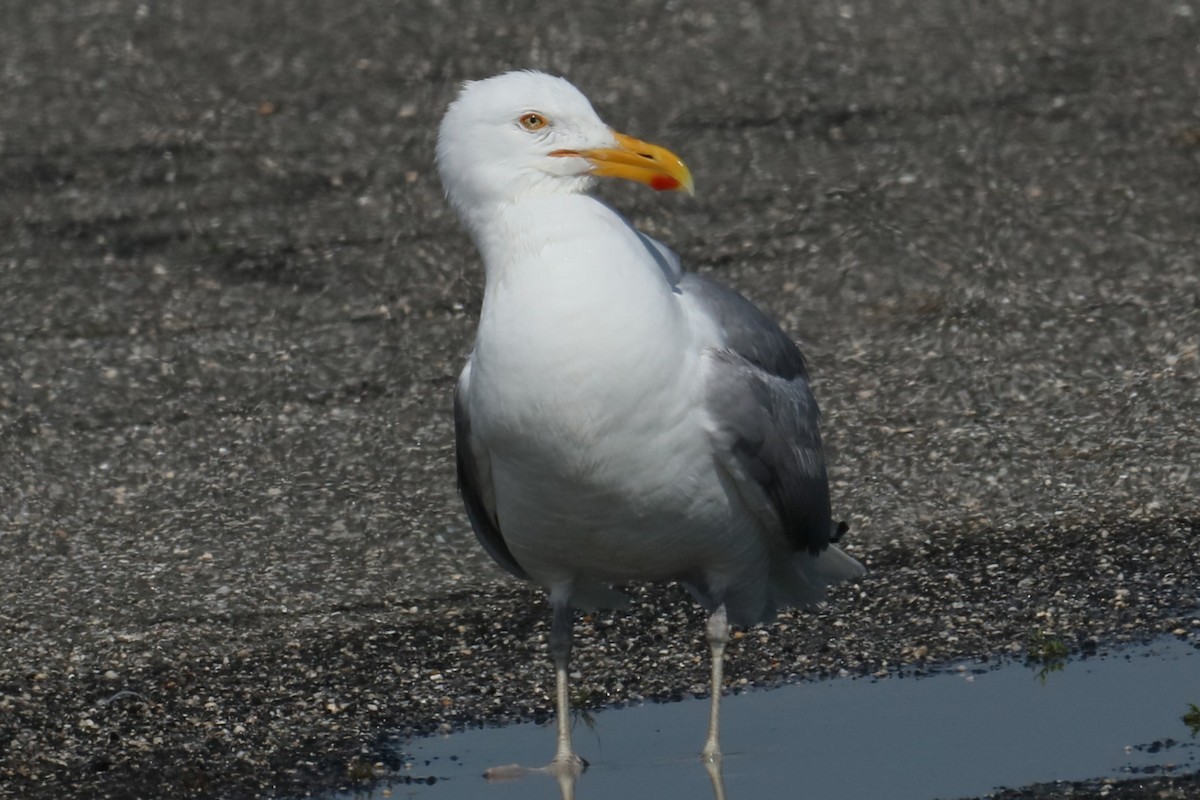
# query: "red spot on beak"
[[664, 183]]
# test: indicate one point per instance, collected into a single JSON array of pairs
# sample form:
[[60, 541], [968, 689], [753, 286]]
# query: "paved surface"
[[233, 303]]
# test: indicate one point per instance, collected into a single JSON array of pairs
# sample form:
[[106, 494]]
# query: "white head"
[[525, 133]]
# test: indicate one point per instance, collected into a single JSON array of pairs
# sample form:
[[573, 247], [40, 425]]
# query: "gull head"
[[527, 133]]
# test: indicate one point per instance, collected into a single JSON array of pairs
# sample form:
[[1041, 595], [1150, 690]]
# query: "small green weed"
[[1046, 653], [1192, 719]]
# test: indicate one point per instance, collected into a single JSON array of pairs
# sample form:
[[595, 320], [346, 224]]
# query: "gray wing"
[[475, 482], [759, 395]]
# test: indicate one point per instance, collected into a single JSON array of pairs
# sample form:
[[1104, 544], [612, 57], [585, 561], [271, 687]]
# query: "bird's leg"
[[560, 648], [717, 634], [566, 766]]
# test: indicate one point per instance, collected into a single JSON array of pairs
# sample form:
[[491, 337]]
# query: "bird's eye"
[[533, 121]]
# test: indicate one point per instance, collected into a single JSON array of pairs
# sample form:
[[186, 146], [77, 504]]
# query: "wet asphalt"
[[233, 305]]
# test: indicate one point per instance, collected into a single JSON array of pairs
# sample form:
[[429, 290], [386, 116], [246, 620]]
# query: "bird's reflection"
[[713, 765], [567, 775]]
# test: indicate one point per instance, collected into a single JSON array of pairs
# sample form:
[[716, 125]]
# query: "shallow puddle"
[[957, 733]]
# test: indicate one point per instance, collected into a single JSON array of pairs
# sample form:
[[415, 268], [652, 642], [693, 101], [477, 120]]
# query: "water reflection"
[[567, 777], [713, 765], [565, 773], [956, 734]]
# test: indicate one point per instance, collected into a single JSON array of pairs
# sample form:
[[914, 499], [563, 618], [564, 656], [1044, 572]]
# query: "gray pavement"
[[233, 304]]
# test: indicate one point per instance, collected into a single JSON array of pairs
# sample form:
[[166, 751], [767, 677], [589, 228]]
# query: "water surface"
[[959, 733]]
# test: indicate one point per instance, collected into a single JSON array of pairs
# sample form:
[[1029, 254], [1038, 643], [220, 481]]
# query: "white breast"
[[586, 390]]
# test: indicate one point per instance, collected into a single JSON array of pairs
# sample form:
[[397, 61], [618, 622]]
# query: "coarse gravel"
[[233, 304]]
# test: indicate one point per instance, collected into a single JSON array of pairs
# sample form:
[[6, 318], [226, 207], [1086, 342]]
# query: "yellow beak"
[[635, 160]]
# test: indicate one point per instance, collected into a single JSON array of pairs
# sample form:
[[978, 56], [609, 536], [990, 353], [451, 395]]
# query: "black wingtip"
[[839, 530]]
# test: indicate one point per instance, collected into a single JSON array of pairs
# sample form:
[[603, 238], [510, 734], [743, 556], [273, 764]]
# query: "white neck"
[[573, 292]]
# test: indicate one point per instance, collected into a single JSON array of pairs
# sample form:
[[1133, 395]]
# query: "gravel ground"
[[233, 303]]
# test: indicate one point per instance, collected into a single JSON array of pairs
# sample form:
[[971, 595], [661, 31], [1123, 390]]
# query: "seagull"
[[619, 419]]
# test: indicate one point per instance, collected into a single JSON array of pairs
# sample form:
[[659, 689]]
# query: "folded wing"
[[475, 481], [766, 421]]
